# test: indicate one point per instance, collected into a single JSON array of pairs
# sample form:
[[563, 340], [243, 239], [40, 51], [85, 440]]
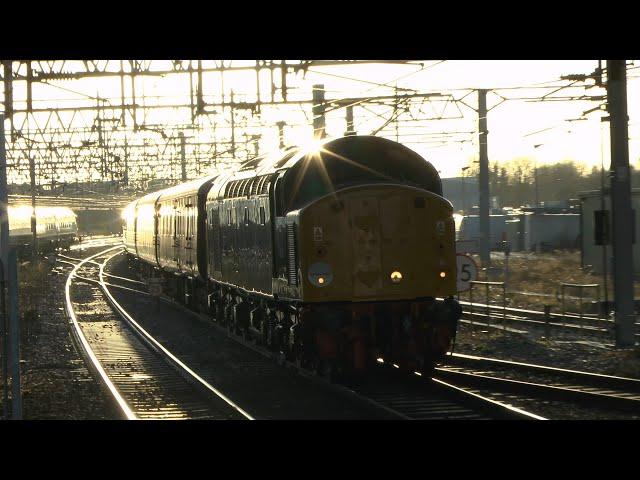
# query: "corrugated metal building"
[[595, 227], [470, 230], [544, 231]]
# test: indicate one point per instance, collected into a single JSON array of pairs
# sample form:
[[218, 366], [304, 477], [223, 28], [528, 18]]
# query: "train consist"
[[335, 255], [55, 227]]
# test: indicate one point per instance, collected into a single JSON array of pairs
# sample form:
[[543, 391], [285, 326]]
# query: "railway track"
[[149, 382], [603, 392], [145, 379], [402, 397], [416, 398]]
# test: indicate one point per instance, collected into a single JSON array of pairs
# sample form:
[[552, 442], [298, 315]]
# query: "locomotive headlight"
[[320, 274], [396, 276], [443, 274]]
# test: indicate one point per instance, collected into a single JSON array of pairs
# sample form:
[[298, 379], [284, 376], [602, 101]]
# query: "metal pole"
[[14, 334], [3, 331], [183, 160], [281, 125], [318, 112], [486, 300], [563, 304], [581, 293], [4, 260], [504, 306], [621, 203], [547, 320], [349, 117], [125, 177], [535, 169], [471, 303], [483, 180], [34, 226], [233, 127], [464, 195]]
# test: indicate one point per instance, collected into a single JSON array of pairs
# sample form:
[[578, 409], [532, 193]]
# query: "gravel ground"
[[562, 350], [56, 384]]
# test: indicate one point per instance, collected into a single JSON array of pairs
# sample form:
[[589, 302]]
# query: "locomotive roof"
[[355, 148], [192, 187], [354, 160], [317, 169], [339, 162]]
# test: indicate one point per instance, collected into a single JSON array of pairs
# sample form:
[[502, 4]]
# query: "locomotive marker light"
[[396, 276], [467, 272], [320, 274]]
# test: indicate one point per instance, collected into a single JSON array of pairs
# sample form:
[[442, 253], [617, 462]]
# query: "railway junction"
[[286, 240]]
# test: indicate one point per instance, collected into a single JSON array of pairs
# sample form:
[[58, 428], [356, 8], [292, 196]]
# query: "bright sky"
[[512, 124]]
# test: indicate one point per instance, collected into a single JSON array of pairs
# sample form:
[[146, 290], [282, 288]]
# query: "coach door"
[[190, 237], [176, 233]]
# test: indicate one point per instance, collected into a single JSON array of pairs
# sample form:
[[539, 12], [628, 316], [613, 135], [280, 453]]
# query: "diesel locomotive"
[[334, 255]]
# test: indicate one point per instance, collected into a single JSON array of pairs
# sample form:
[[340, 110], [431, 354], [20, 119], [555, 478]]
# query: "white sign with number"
[[467, 272]]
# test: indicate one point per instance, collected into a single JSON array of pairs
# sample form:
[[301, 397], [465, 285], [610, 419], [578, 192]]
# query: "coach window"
[[262, 216], [246, 216]]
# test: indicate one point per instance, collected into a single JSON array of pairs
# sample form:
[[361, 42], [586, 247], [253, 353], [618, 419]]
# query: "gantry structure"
[[98, 127]]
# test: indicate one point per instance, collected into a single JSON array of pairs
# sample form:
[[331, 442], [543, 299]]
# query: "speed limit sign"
[[467, 272]]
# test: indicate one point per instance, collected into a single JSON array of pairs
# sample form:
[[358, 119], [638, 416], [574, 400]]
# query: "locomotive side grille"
[[291, 250], [264, 188], [254, 185]]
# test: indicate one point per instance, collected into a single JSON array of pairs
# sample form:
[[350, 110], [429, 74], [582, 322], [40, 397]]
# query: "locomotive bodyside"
[[239, 232]]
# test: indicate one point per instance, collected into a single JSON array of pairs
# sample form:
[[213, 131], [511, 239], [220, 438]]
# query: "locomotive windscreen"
[[356, 160]]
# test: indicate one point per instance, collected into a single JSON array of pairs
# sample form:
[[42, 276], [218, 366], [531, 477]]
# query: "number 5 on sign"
[[467, 272]]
